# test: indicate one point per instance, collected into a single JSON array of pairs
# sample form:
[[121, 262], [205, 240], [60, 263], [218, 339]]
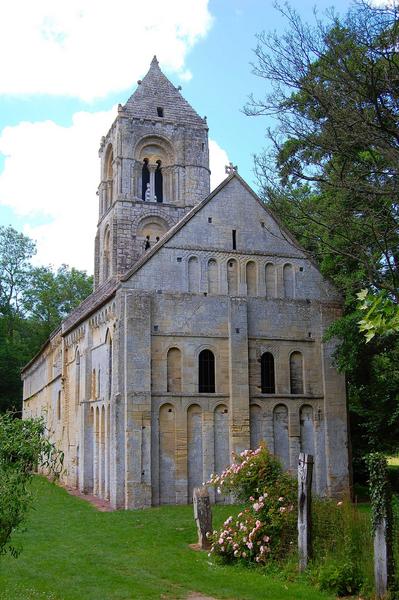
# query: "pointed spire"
[[156, 97]]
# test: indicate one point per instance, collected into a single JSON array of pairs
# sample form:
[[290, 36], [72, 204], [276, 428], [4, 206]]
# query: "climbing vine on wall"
[[380, 491]]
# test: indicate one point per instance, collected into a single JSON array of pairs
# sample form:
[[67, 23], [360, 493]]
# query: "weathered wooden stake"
[[381, 504], [202, 515], [381, 559], [305, 470]]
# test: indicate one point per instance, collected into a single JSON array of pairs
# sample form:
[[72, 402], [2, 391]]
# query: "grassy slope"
[[73, 552]]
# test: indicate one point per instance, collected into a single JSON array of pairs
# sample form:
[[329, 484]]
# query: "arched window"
[[150, 230], [250, 272], [106, 254], [77, 378], [213, 284], [193, 274], [270, 280], [59, 406], [159, 182], [296, 373], [206, 372], [232, 277], [173, 366], [288, 279], [145, 178], [109, 178], [267, 373], [93, 385], [108, 339]]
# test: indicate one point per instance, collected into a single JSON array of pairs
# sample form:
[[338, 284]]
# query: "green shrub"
[[23, 446], [344, 579], [266, 528], [251, 471]]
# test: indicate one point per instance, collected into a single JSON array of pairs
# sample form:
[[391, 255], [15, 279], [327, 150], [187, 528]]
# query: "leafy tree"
[[335, 96], [33, 302], [380, 314], [52, 296], [23, 446], [332, 176], [16, 250]]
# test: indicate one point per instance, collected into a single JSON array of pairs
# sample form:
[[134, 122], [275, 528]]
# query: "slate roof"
[[156, 91]]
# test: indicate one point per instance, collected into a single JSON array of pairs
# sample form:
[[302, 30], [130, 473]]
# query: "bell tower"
[[154, 169]]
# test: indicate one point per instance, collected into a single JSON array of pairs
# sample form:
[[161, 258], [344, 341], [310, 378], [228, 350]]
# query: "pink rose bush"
[[266, 527]]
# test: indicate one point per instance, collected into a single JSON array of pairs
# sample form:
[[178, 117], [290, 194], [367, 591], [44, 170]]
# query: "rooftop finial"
[[154, 61], [230, 168]]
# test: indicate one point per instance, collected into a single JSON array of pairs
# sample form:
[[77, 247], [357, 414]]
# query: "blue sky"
[[68, 67]]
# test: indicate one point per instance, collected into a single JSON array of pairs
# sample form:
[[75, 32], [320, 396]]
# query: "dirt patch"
[[195, 596], [98, 503]]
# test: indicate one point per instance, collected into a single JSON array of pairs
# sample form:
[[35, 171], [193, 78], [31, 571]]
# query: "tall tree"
[[33, 302], [335, 95], [332, 175], [16, 250]]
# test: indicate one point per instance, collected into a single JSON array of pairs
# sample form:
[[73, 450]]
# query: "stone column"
[[238, 375], [117, 413], [107, 454], [152, 168], [181, 455], [137, 399], [86, 450], [293, 437], [208, 448], [96, 432], [335, 412]]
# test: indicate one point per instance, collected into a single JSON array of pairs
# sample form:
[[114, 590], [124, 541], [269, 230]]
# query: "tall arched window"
[[77, 378], [270, 280], [173, 366], [108, 340], [107, 254], [296, 373], [250, 272], [59, 406], [288, 280], [232, 277], [93, 385], [206, 372], [109, 178], [267, 373], [145, 178], [193, 274], [213, 286], [159, 182]]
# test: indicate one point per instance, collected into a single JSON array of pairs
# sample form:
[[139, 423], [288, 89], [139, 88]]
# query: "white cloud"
[[54, 171], [89, 48], [218, 159]]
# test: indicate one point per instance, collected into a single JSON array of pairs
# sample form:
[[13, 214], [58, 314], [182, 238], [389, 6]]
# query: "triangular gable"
[[280, 240]]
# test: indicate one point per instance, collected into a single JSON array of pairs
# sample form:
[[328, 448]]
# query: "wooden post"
[[384, 568], [381, 504], [382, 557], [305, 470], [202, 515]]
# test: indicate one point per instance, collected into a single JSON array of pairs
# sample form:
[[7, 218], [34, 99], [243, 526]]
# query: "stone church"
[[204, 332]]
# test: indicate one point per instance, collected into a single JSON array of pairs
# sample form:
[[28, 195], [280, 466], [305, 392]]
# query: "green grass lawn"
[[73, 552]]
